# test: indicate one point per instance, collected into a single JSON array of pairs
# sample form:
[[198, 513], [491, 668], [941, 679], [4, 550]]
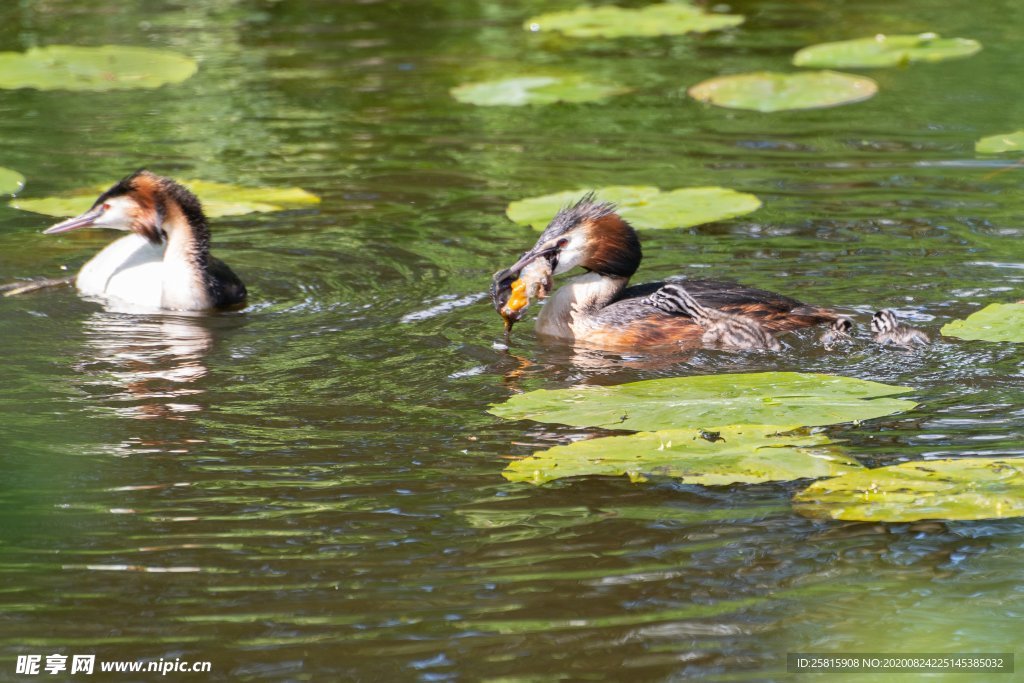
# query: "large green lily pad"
[[1003, 142], [768, 91], [738, 454], [767, 398], [995, 323], [10, 181], [537, 89], [962, 488], [882, 50], [644, 207], [610, 21], [109, 67], [219, 199]]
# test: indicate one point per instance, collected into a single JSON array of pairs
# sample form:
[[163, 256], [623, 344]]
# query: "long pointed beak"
[[531, 255], [85, 220]]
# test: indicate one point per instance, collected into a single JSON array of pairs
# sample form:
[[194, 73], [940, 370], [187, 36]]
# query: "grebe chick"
[[720, 329], [837, 332], [165, 262], [888, 330], [600, 310]]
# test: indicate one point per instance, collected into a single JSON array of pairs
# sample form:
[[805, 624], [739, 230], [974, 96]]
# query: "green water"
[[310, 489]]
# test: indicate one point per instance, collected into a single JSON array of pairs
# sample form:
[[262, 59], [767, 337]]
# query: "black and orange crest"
[[616, 247], [586, 210]]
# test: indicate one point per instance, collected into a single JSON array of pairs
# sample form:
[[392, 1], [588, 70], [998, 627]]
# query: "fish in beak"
[[513, 288]]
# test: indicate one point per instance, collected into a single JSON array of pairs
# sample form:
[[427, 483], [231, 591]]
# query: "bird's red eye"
[[106, 206], [562, 243]]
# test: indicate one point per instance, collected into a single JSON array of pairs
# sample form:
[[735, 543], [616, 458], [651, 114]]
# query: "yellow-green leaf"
[[705, 401], [644, 207], [882, 50], [737, 454], [768, 91], [995, 323], [109, 67], [609, 21], [1003, 142], [535, 89], [218, 199], [10, 181], [961, 488]]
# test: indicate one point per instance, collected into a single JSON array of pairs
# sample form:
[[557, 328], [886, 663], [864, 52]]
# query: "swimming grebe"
[[600, 310], [165, 263], [720, 328], [888, 330], [838, 331]]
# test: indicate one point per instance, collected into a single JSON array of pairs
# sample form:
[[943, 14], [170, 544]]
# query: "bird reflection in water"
[[152, 361]]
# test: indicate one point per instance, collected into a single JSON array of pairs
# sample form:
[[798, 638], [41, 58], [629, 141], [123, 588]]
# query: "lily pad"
[[609, 21], [768, 91], [644, 207], [738, 454], [995, 323], [109, 67], [219, 199], [523, 90], [767, 398], [10, 181], [961, 488], [1004, 142], [882, 50]]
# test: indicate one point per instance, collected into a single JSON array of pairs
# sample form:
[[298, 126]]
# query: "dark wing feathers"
[[775, 311]]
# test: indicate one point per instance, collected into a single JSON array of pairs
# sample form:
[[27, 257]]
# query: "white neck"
[[184, 287], [567, 312]]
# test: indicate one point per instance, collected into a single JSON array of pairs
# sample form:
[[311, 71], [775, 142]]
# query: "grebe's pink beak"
[[82, 221]]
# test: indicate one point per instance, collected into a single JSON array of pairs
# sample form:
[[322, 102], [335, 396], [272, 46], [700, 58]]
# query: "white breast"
[[129, 271], [565, 313]]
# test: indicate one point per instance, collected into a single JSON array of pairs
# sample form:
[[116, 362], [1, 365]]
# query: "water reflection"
[[151, 361]]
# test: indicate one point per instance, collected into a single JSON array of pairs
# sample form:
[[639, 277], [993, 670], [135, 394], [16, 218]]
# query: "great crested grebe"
[[888, 330], [720, 328], [165, 262], [837, 332], [599, 309]]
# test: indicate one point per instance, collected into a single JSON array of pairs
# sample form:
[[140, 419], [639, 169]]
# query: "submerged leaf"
[[10, 181], [109, 67], [609, 21], [995, 323], [1003, 142], [767, 398], [738, 454], [768, 91], [523, 90], [882, 50], [962, 488], [644, 207], [218, 199]]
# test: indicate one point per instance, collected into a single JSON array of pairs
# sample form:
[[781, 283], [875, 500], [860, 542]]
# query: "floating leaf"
[[995, 323], [219, 199], [738, 454], [10, 181], [767, 398], [609, 21], [768, 91], [522, 90], [882, 50], [110, 67], [962, 488], [1004, 142], [644, 207]]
